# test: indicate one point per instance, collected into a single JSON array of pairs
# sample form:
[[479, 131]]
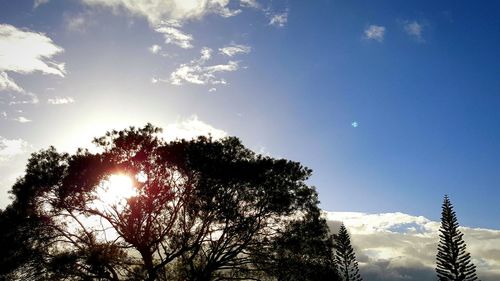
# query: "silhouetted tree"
[[453, 261], [200, 210], [345, 256], [304, 252]]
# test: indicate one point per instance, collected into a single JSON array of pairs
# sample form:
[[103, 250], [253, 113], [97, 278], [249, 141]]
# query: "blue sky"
[[420, 79]]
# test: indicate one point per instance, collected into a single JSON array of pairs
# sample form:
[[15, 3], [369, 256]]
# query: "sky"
[[392, 104]]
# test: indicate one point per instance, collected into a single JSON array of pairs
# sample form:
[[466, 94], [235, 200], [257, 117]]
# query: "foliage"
[[345, 256], [453, 261], [201, 209], [304, 251]]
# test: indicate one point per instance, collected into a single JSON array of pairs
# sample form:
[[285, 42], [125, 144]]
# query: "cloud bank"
[[397, 246]]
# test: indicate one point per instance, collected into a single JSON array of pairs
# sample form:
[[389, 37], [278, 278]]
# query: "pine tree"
[[453, 262], [345, 257]]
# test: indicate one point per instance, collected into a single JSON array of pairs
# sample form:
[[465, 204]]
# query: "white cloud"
[[60, 100], [24, 98], [157, 11], [6, 83], [155, 49], [414, 29], [38, 3], [197, 72], [250, 4], [375, 32], [10, 148], [397, 246], [173, 35], [191, 128], [211, 90], [279, 19], [235, 49], [22, 119], [26, 52]]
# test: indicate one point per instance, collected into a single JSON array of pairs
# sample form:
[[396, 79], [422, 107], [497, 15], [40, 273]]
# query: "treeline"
[[202, 210]]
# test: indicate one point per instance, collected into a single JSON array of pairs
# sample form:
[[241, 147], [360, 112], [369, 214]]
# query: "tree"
[[453, 261], [345, 256], [303, 253], [199, 211]]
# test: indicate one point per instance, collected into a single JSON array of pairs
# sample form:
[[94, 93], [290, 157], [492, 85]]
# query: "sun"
[[115, 190]]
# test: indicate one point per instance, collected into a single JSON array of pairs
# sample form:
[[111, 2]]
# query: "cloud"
[[235, 49], [38, 3], [78, 22], [10, 148], [414, 30], [6, 83], [173, 35], [24, 51], [22, 119], [157, 11], [60, 100], [375, 32], [250, 4], [155, 49], [24, 98], [190, 128], [197, 72], [397, 246], [279, 19]]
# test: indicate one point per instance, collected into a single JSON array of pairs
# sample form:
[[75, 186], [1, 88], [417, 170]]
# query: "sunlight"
[[116, 190]]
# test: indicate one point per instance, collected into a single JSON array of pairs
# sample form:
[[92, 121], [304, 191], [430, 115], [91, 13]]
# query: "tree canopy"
[[201, 209]]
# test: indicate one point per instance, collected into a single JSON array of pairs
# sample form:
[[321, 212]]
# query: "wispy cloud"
[[6, 83], [397, 246], [250, 4], [375, 32], [154, 49], [279, 19], [10, 148], [198, 72], [173, 35], [414, 30], [78, 22], [22, 119], [235, 49], [24, 98], [158, 11], [190, 128], [37, 3], [167, 17], [60, 100]]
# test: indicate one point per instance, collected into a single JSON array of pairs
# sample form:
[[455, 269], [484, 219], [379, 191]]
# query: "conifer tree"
[[453, 261], [345, 257]]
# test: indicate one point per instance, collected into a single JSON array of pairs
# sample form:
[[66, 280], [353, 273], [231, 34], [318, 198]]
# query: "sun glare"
[[115, 190]]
